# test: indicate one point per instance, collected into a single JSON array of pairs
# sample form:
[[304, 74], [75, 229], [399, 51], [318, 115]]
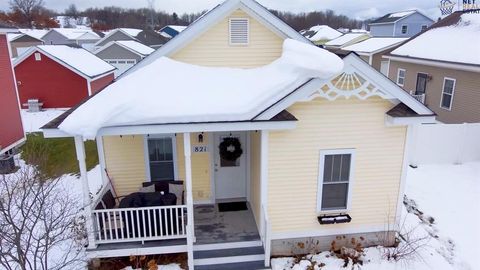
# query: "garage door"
[[122, 65]]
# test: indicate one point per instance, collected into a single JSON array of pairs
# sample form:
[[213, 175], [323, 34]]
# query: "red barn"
[[11, 130], [60, 76]]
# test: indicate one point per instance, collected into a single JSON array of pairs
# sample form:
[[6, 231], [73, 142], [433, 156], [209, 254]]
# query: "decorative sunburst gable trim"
[[350, 84]]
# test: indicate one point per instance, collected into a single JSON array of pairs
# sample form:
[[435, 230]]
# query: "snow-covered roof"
[[75, 33], [36, 33], [459, 43], [395, 16], [210, 94], [135, 46], [374, 44], [78, 59], [321, 32], [342, 40], [131, 31], [12, 36]]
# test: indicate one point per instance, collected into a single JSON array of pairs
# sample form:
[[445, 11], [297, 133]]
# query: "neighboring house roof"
[[393, 17], [77, 59], [454, 40], [321, 32], [346, 38], [151, 38], [12, 37], [374, 45], [36, 33], [131, 31], [128, 32], [76, 34], [176, 28], [212, 17], [131, 45]]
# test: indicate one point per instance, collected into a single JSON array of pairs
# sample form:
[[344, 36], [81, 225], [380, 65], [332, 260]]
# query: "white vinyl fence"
[[445, 143]]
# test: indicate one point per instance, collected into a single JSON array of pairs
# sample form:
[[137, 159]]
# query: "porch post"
[[87, 202], [188, 187], [265, 224]]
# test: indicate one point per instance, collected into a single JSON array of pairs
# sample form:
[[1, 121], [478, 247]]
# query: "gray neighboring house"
[[71, 36], [400, 24], [146, 37], [123, 54]]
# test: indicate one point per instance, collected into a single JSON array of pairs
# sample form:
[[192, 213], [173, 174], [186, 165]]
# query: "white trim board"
[[216, 15], [112, 253]]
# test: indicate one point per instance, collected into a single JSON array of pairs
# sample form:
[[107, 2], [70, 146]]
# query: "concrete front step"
[[238, 255]]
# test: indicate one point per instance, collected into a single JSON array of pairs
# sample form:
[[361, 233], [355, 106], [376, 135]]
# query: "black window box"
[[335, 219]]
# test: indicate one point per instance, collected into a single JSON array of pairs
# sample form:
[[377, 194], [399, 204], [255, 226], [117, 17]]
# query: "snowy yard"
[[448, 194]]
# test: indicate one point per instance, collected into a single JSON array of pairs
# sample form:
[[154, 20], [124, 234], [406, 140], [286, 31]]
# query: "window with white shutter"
[[239, 31]]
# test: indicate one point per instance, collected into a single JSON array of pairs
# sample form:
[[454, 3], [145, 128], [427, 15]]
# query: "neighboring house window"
[[161, 155], [239, 31], [424, 27], [38, 57], [335, 180], [447, 93], [404, 29], [401, 77]]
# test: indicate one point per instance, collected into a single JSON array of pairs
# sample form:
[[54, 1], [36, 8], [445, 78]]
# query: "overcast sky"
[[359, 9]]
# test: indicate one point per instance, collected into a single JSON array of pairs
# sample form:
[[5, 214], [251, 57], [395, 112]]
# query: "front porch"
[[126, 219]]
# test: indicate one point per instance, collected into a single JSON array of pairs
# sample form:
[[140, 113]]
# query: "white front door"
[[230, 175]]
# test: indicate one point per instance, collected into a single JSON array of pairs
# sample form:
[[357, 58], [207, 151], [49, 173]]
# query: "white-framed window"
[[335, 178], [161, 157], [38, 57], [424, 27], [447, 93], [239, 31], [401, 74], [404, 29]]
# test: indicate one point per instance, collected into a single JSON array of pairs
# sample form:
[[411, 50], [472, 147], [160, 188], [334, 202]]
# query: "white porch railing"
[[420, 97], [140, 224], [266, 237]]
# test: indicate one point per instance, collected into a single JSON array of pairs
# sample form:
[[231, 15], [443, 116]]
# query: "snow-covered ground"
[[448, 194], [33, 121]]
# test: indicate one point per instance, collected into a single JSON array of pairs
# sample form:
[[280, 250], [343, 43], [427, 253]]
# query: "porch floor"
[[212, 226]]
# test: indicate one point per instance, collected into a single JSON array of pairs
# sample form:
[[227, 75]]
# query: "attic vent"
[[239, 31], [38, 57]]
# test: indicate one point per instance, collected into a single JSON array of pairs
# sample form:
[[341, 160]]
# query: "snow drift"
[[168, 91]]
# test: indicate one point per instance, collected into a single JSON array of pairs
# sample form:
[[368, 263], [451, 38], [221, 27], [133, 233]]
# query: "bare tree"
[[39, 224], [27, 8]]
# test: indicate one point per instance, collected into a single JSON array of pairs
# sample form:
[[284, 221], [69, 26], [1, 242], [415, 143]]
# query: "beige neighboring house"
[[372, 50], [346, 40], [227, 145], [441, 67], [20, 43]]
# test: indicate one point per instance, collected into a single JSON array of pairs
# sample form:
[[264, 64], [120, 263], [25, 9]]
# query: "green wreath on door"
[[230, 149]]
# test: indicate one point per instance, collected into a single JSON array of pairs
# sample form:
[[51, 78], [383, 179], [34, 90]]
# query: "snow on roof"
[[75, 33], [374, 44], [344, 39], [36, 33], [455, 43], [321, 32], [78, 58], [159, 93], [178, 28], [401, 14], [136, 46], [131, 31], [13, 36]]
